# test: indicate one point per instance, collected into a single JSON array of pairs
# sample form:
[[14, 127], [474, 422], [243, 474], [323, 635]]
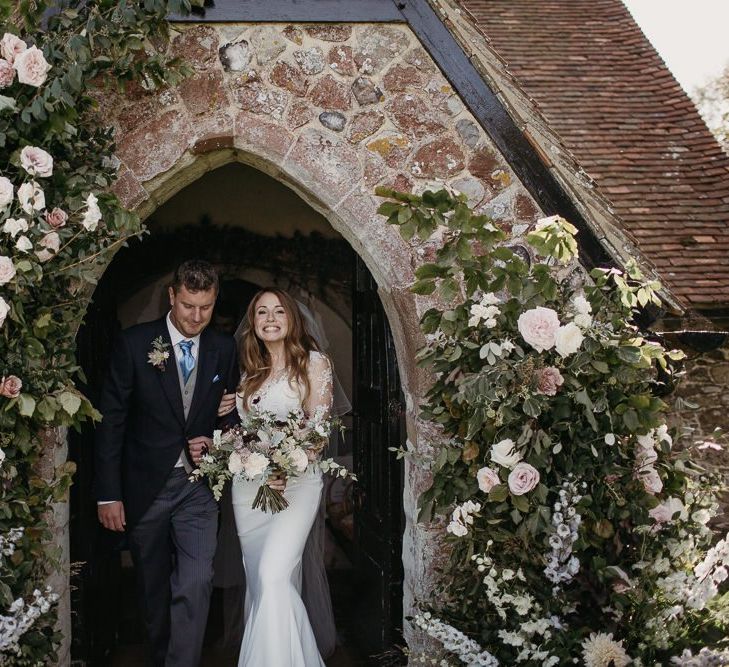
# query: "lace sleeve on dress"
[[319, 402]]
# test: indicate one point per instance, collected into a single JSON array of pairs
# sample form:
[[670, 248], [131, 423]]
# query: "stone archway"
[[331, 111]]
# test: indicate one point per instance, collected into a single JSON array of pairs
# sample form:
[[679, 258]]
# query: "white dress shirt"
[[176, 338]]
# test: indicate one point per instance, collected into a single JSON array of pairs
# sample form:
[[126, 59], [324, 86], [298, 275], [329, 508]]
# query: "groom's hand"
[[227, 405], [112, 516], [199, 446]]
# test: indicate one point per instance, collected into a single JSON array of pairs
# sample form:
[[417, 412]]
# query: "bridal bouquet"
[[264, 447]]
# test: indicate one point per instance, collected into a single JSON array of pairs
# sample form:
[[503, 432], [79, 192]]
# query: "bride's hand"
[[277, 482], [314, 453], [227, 405]]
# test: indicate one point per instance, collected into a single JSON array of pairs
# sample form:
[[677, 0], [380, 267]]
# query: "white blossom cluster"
[[704, 658], [562, 566], [21, 617], [485, 310], [502, 592], [8, 542], [454, 641], [462, 517]]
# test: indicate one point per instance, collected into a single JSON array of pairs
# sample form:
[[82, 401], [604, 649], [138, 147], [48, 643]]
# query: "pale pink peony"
[[538, 327], [11, 46], [56, 218], [7, 73], [10, 386], [664, 512], [36, 161], [549, 379], [523, 478], [4, 310], [32, 67], [50, 243], [7, 270], [487, 479]]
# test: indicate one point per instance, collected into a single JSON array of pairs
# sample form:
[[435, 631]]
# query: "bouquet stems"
[[269, 500]]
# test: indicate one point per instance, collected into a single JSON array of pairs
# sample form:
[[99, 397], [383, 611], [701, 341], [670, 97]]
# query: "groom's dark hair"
[[196, 275]]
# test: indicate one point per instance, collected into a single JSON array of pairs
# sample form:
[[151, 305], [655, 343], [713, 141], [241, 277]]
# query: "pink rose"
[[10, 386], [56, 218], [487, 479], [523, 478], [11, 46], [538, 327], [7, 73], [549, 379], [36, 161], [50, 243], [32, 67], [7, 270]]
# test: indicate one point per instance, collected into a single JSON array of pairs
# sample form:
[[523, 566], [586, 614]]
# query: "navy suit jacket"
[[143, 427]]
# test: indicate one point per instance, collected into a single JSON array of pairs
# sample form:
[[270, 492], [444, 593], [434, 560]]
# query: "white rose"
[[610, 439], [583, 320], [32, 67], [14, 227], [523, 478], [7, 270], [23, 244], [92, 216], [235, 463], [538, 327], [6, 192], [457, 528], [299, 459], [50, 243], [36, 161], [504, 453], [2, 457], [568, 339], [487, 479], [255, 465], [651, 480], [11, 46], [4, 310], [581, 305], [31, 197]]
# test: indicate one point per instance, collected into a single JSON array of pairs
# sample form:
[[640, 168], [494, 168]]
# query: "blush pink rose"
[[36, 161], [32, 67], [549, 379], [523, 478], [487, 479], [10, 386], [538, 327], [11, 46], [50, 243], [56, 218], [7, 73]]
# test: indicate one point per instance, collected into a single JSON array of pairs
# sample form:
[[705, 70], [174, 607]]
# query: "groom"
[[159, 406]]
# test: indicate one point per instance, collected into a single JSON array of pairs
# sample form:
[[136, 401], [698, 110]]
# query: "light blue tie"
[[187, 363]]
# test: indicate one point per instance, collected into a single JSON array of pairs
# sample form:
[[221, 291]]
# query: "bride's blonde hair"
[[255, 361]]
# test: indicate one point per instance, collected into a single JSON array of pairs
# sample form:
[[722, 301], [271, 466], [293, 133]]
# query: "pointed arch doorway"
[[257, 232]]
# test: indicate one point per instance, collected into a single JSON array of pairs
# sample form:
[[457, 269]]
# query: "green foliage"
[[572, 404], [88, 46]]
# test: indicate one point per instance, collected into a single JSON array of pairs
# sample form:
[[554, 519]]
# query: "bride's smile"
[[271, 322]]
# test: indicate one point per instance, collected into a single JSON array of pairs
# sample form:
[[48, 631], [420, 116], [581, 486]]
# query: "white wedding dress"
[[277, 629]]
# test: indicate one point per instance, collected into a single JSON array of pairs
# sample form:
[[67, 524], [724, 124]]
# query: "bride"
[[282, 371]]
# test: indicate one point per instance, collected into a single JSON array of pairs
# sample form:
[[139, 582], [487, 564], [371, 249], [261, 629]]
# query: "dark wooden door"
[[378, 425]]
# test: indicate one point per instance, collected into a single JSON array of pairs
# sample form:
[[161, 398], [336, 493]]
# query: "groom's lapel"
[[207, 364], [170, 378]]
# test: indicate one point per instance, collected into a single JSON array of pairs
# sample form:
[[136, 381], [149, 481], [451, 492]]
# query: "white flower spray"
[[562, 566]]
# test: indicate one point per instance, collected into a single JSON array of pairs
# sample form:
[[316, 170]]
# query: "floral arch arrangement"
[[578, 532]]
